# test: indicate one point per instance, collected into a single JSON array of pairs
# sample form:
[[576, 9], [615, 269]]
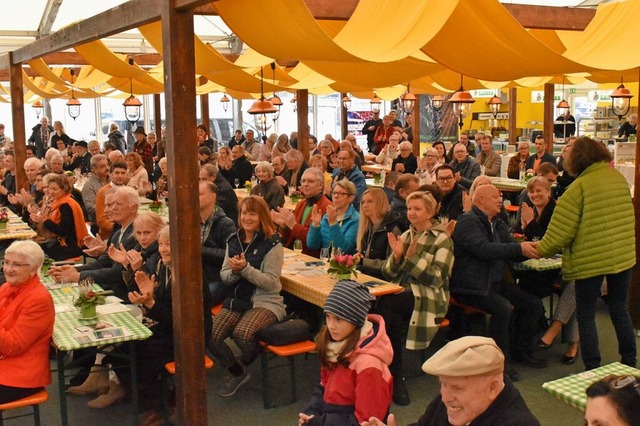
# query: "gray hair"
[[406, 144], [30, 250], [162, 161], [267, 167], [294, 154], [57, 157], [33, 162], [316, 172], [131, 194], [96, 158], [51, 152]]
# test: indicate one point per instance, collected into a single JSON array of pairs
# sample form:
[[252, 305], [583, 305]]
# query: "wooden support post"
[[303, 122], [513, 102], [204, 111], [634, 292], [180, 92], [548, 116], [17, 116], [344, 119], [157, 117], [414, 122]]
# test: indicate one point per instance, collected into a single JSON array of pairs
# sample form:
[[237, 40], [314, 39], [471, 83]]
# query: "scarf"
[[334, 348], [78, 217]]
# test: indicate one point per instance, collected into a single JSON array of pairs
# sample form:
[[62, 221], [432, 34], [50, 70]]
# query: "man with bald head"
[[482, 245]]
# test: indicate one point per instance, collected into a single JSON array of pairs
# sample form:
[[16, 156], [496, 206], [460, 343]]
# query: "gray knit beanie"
[[350, 301]]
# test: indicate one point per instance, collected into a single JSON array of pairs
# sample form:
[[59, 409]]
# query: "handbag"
[[288, 331]]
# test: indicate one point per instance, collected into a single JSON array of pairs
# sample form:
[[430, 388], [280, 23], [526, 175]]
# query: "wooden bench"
[[170, 369], [29, 401], [287, 352]]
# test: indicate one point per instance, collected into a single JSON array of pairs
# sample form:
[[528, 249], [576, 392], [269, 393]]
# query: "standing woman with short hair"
[[421, 261], [593, 226], [252, 266]]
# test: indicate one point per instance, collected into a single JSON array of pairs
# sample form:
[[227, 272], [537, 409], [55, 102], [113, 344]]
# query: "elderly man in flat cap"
[[473, 388]]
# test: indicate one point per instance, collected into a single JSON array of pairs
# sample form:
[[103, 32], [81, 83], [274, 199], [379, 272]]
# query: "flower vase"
[[3, 225], [340, 277], [88, 311], [376, 178]]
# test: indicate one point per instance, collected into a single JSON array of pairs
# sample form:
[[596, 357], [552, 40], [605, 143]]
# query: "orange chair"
[[215, 310], [170, 370], [30, 401], [511, 208], [288, 352]]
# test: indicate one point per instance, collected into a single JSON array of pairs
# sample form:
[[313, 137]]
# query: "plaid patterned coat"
[[427, 273]]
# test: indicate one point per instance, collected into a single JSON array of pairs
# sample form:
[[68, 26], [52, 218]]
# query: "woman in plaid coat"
[[421, 261]]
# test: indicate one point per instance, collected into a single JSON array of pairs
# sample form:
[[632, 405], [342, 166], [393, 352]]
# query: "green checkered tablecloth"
[[61, 296], [66, 322], [544, 264], [572, 389], [505, 184]]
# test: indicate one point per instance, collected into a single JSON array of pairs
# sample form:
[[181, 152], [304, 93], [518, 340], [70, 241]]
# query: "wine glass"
[[324, 254], [236, 182], [297, 246]]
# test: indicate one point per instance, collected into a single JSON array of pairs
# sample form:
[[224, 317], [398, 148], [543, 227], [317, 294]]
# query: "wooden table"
[[16, 229], [572, 389], [66, 327], [243, 193], [313, 284], [374, 168]]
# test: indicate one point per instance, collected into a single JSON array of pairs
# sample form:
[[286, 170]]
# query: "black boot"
[[400, 392]]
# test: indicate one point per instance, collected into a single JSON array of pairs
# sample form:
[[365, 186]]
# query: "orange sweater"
[[26, 326]]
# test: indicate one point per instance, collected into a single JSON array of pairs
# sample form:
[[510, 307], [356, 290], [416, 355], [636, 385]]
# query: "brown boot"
[[98, 381], [116, 394]]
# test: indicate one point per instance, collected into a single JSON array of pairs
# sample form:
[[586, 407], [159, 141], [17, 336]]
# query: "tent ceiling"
[[438, 43]]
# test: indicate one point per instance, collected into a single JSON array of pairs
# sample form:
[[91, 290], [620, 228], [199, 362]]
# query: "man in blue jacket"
[[482, 244]]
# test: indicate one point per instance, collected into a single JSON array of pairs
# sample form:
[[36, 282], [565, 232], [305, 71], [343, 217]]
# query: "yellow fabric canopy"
[[482, 39]]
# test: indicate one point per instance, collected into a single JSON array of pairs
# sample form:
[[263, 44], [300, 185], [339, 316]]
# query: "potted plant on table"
[[295, 197], [343, 266], [4, 218], [155, 206], [247, 186], [88, 299]]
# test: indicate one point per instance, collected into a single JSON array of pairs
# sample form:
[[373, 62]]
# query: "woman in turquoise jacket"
[[593, 225], [338, 227]]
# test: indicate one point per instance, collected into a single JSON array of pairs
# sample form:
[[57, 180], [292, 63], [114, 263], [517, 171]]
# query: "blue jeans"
[[587, 293]]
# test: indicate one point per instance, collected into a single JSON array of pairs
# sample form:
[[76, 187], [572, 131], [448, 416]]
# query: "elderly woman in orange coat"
[[26, 323]]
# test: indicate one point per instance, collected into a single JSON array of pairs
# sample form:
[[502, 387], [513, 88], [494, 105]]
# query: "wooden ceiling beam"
[[539, 17], [551, 18]]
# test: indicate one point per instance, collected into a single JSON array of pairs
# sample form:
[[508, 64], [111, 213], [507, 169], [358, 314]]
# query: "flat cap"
[[467, 356]]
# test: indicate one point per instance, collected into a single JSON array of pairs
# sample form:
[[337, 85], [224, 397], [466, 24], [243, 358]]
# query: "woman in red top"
[[26, 323], [383, 132]]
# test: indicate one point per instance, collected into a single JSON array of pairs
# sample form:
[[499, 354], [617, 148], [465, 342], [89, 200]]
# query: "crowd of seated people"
[[450, 236]]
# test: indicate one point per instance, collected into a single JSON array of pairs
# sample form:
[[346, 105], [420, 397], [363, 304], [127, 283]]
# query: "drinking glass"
[[324, 254], [67, 290], [297, 246]]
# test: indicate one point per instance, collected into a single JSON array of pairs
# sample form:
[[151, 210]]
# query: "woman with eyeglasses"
[[376, 220], [338, 227], [613, 401], [427, 166], [26, 323], [406, 162]]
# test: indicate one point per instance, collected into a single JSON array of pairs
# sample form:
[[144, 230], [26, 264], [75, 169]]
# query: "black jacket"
[[106, 272], [508, 409], [214, 245], [227, 199], [451, 205], [117, 138], [480, 253], [375, 245], [242, 170]]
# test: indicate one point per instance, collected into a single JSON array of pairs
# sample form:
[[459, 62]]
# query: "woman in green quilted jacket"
[[593, 226]]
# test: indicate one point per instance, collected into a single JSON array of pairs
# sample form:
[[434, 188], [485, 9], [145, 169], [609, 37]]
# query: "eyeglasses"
[[445, 179], [622, 382], [6, 264], [341, 194]]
